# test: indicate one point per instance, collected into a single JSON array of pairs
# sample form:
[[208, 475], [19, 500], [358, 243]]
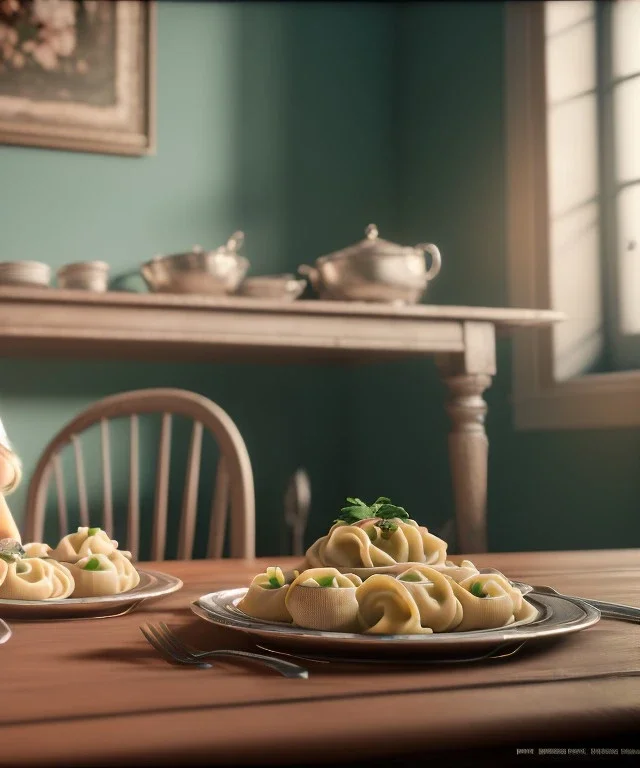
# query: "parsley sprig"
[[381, 508]]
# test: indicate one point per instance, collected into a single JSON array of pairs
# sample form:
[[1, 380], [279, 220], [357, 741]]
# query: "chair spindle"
[[190, 498]]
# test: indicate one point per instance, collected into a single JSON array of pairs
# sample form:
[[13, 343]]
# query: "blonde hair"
[[13, 460]]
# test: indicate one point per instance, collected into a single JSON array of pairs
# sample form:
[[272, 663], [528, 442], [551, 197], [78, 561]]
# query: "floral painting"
[[77, 74]]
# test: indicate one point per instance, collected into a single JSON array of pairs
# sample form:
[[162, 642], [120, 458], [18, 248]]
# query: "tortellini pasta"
[[86, 541], [387, 608], [30, 572], [34, 578], [99, 575], [378, 572], [374, 543], [265, 598], [489, 601], [36, 549], [324, 598], [437, 604]]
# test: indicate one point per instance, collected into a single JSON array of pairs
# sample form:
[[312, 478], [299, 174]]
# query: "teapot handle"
[[436, 259]]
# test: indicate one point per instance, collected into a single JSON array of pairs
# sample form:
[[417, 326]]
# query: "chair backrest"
[[233, 486]]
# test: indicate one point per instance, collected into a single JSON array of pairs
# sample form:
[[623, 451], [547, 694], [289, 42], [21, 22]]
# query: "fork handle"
[[615, 610], [285, 668]]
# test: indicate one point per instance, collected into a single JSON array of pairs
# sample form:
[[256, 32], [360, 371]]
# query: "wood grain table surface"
[[93, 692]]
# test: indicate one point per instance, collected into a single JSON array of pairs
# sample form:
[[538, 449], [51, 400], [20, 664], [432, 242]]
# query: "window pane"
[[572, 137], [571, 57], [573, 185], [626, 37], [629, 258], [626, 110], [576, 289], [562, 14]]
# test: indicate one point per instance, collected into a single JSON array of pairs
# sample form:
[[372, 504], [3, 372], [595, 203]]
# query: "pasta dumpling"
[[489, 601], [36, 549], [97, 575], [438, 606], [265, 598], [34, 578], [376, 542], [86, 541], [386, 607], [324, 599], [378, 572]]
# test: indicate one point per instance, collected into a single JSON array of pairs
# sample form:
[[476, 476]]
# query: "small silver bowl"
[[84, 276], [25, 274], [276, 287], [212, 273]]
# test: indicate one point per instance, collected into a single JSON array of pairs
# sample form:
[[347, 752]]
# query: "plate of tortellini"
[[84, 575], [380, 583]]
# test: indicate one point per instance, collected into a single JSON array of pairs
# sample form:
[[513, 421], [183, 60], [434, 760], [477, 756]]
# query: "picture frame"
[[78, 75]]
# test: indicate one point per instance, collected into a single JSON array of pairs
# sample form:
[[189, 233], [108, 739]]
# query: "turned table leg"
[[468, 457], [466, 377]]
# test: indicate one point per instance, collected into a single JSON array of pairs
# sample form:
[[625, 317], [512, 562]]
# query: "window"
[[573, 157]]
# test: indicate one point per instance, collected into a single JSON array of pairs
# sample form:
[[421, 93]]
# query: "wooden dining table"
[[94, 692]]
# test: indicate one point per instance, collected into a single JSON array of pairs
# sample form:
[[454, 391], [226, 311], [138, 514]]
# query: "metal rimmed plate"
[[152, 585], [556, 617], [5, 632]]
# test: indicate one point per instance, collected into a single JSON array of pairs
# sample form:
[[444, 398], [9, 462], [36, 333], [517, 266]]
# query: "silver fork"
[[168, 643]]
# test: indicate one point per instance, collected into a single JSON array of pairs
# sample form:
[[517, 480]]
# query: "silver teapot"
[[374, 270]]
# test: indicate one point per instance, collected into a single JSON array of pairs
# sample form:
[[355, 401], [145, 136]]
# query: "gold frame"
[[82, 136]]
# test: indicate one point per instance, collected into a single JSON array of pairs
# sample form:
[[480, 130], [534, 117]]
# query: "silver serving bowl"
[[214, 273], [276, 287], [374, 270]]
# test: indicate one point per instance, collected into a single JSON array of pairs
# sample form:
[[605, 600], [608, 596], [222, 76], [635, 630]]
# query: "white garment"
[[4, 440]]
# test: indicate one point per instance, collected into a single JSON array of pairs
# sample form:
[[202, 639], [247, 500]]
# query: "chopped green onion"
[[92, 531], [93, 564], [325, 581], [274, 583], [477, 589], [410, 576]]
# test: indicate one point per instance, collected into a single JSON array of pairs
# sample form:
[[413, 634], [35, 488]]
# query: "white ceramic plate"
[[152, 585], [556, 616]]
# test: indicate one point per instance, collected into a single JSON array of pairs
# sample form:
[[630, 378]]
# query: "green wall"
[[547, 490], [300, 124]]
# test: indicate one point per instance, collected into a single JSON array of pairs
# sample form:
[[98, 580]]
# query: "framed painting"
[[78, 75]]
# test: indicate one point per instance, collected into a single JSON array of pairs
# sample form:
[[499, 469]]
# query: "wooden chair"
[[233, 487]]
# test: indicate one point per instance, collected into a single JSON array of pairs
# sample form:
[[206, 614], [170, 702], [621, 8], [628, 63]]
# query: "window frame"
[[540, 401]]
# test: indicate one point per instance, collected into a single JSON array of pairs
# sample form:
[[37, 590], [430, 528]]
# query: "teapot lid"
[[372, 243]]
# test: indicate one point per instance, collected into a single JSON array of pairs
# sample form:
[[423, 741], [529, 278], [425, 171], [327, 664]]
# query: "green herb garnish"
[[93, 564], [410, 576], [477, 589], [387, 529], [92, 531], [325, 581], [381, 507], [274, 583]]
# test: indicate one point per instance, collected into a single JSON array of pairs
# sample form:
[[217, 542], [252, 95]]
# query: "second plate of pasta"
[[152, 585]]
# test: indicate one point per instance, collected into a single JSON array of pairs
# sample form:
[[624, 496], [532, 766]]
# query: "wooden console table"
[[52, 322]]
